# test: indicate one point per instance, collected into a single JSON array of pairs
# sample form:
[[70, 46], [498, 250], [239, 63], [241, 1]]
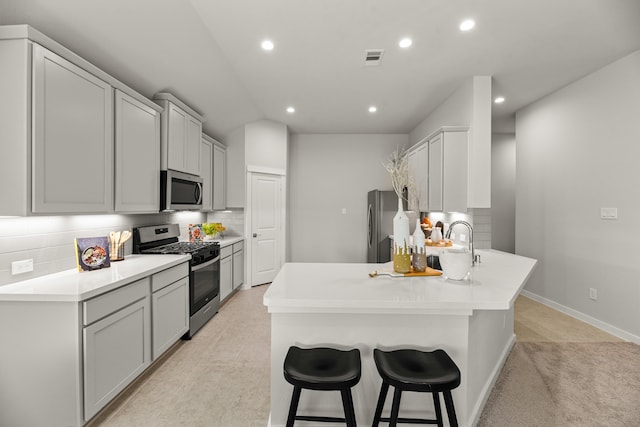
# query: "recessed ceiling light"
[[405, 42], [291, 110], [267, 45], [467, 24], [373, 109], [499, 100]]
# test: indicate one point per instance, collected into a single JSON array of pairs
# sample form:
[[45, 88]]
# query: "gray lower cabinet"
[[238, 264], [170, 307], [117, 347], [226, 271]]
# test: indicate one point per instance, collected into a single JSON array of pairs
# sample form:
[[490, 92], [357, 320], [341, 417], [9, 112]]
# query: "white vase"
[[401, 253], [436, 234]]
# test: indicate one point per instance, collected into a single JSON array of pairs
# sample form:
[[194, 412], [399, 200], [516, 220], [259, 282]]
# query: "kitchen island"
[[339, 305]]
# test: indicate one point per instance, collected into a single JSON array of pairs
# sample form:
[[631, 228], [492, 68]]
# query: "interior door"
[[267, 240]]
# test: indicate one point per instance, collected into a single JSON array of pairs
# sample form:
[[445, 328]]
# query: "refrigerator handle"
[[370, 228]]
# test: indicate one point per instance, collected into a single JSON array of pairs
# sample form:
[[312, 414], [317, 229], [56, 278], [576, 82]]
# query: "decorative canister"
[[419, 257], [401, 253]]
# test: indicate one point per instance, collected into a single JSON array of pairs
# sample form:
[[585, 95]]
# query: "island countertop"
[[347, 288]]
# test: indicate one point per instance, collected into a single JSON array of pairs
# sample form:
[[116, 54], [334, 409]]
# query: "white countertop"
[[347, 288], [73, 285]]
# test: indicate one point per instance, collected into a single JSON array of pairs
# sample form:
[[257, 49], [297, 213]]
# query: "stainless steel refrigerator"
[[381, 208]]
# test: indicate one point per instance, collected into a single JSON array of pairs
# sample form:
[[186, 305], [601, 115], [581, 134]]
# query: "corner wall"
[[577, 152]]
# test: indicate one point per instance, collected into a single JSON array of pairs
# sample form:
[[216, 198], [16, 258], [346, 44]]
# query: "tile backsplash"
[[48, 240], [233, 220], [480, 220]]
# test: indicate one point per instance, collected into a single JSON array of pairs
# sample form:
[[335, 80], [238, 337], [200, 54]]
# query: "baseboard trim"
[[474, 417], [613, 330]]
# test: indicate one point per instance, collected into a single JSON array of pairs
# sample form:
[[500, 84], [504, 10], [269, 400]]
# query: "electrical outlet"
[[24, 266], [608, 213], [463, 238], [593, 293]]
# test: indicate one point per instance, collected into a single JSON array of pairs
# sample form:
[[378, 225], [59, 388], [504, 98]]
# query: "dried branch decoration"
[[398, 168]]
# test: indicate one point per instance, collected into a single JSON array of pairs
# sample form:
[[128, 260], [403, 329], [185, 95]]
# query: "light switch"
[[344, 211], [608, 213]]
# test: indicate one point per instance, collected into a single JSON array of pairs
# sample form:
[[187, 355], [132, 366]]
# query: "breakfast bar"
[[342, 306]]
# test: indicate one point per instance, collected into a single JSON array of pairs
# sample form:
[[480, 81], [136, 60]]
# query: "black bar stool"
[[421, 371], [322, 368]]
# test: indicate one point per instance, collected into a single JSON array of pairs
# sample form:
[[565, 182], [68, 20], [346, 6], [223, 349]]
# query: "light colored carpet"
[[561, 372], [567, 384]]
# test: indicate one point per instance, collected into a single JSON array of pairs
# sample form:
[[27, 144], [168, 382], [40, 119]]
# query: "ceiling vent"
[[373, 56]]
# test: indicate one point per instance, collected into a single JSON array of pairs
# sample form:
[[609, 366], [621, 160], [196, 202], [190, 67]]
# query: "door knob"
[[255, 234]]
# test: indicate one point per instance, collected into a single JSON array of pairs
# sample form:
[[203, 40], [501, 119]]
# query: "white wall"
[[503, 192], [326, 174], [235, 168], [577, 151], [266, 144]]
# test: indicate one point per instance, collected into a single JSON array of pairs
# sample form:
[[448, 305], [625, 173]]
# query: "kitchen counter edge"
[[75, 286]]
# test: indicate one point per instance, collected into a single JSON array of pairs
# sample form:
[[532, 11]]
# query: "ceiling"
[[207, 53]]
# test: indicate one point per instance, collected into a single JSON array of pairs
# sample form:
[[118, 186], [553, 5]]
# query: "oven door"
[[204, 284]]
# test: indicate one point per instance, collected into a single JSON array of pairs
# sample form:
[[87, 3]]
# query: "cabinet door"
[[423, 178], [219, 177], [193, 138], [116, 350], [206, 165], [72, 138], [170, 306], [238, 269], [435, 173], [177, 134], [226, 277], [455, 171], [137, 155], [418, 172]]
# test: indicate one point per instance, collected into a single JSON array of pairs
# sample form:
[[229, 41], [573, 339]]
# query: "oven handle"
[[205, 265]]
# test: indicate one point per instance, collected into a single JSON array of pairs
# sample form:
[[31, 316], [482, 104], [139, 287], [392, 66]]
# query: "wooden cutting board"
[[428, 272]]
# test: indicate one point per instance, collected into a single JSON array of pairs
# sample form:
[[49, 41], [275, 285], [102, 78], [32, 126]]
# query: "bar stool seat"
[[322, 368], [418, 371]]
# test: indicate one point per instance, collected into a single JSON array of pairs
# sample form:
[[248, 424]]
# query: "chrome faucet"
[[465, 223]]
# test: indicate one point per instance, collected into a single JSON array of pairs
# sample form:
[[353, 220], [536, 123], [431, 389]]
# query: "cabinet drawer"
[[99, 307], [238, 247], [168, 276], [226, 251]]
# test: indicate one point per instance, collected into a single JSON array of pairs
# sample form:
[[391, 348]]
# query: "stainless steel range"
[[204, 268]]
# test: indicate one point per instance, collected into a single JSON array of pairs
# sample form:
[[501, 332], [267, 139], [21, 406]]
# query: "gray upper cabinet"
[[72, 138], [219, 176], [181, 133], [448, 170], [206, 172], [137, 154]]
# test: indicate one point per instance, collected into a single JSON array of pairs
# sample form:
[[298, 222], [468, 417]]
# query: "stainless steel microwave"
[[180, 191]]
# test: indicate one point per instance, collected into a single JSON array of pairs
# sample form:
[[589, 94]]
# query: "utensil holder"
[[117, 252]]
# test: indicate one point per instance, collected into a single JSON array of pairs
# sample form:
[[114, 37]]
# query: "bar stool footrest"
[[410, 420], [320, 419]]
